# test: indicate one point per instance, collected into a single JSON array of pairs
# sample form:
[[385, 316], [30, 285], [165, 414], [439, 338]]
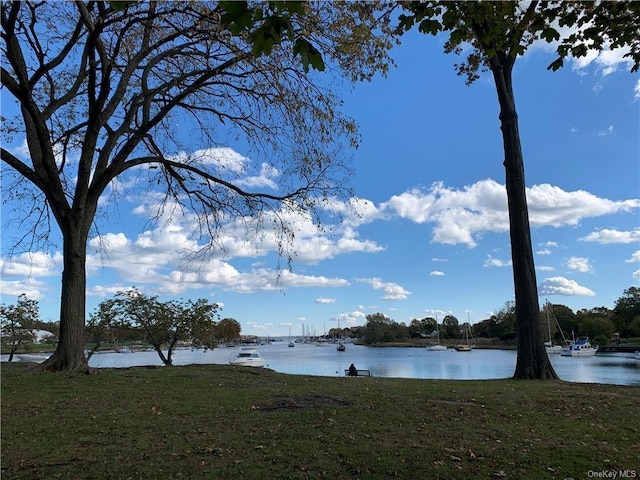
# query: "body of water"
[[398, 362]]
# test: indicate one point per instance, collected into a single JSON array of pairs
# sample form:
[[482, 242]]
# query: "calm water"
[[308, 359]]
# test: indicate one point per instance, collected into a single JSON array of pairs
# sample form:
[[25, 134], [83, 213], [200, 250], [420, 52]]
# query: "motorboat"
[[248, 357], [341, 347], [580, 348]]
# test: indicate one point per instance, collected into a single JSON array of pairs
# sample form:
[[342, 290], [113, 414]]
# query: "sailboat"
[[341, 346], [465, 347], [291, 344], [549, 346], [436, 346]]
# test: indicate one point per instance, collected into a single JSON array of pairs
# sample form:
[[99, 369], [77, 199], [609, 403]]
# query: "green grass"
[[223, 422]]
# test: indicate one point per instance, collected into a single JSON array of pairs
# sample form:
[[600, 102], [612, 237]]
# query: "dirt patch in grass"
[[303, 402]]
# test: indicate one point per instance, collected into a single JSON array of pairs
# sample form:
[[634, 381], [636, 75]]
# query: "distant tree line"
[[132, 317], [599, 323]]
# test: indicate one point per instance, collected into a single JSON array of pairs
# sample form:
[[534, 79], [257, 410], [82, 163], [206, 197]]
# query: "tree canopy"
[[143, 98]]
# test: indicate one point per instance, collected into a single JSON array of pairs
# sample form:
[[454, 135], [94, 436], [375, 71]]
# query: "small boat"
[[291, 344], [436, 346], [465, 347], [637, 357], [548, 345], [341, 347], [248, 357], [580, 348], [32, 358], [124, 350]]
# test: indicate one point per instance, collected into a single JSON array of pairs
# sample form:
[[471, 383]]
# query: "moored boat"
[[437, 345], [580, 348], [248, 357], [32, 357]]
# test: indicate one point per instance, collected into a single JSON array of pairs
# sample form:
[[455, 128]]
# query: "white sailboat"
[[341, 346], [436, 346], [291, 344], [549, 346]]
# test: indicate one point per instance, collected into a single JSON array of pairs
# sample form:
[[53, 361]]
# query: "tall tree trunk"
[[69, 354], [532, 361]]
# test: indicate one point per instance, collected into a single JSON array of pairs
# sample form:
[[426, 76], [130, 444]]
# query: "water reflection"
[[308, 359]]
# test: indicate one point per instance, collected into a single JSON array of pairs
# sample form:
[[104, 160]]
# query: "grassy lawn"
[[224, 422]]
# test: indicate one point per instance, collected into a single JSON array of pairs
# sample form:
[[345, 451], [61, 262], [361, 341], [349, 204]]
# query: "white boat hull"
[[436, 347], [581, 348], [554, 350], [248, 358]]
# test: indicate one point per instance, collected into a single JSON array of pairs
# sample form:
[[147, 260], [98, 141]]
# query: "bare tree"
[[105, 94]]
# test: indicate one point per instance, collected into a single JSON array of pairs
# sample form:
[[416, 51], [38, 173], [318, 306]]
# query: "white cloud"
[[32, 264], [549, 244], [604, 133], [350, 318], [265, 179], [579, 264], [439, 260], [563, 286], [494, 262], [607, 235], [33, 289], [545, 268], [606, 61], [635, 257], [392, 291], [325, 300], [436, 273], [544, 251], [224, 158], [636, 91], [460, 216]]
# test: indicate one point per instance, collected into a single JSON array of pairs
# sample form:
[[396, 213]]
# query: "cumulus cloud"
[[579, 264], [607, 235], [350, 318], [461, 216], [606, 61], [436, 273], [494, 262], [635, 257], [563, 286], [32, 288], [636, 91], [32, 264], [392, 291]]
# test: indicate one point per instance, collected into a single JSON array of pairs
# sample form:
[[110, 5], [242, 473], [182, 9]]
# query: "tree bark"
[[532, 361], [69, 355]]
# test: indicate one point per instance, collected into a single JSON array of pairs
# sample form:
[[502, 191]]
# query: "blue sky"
[[432, 234]]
